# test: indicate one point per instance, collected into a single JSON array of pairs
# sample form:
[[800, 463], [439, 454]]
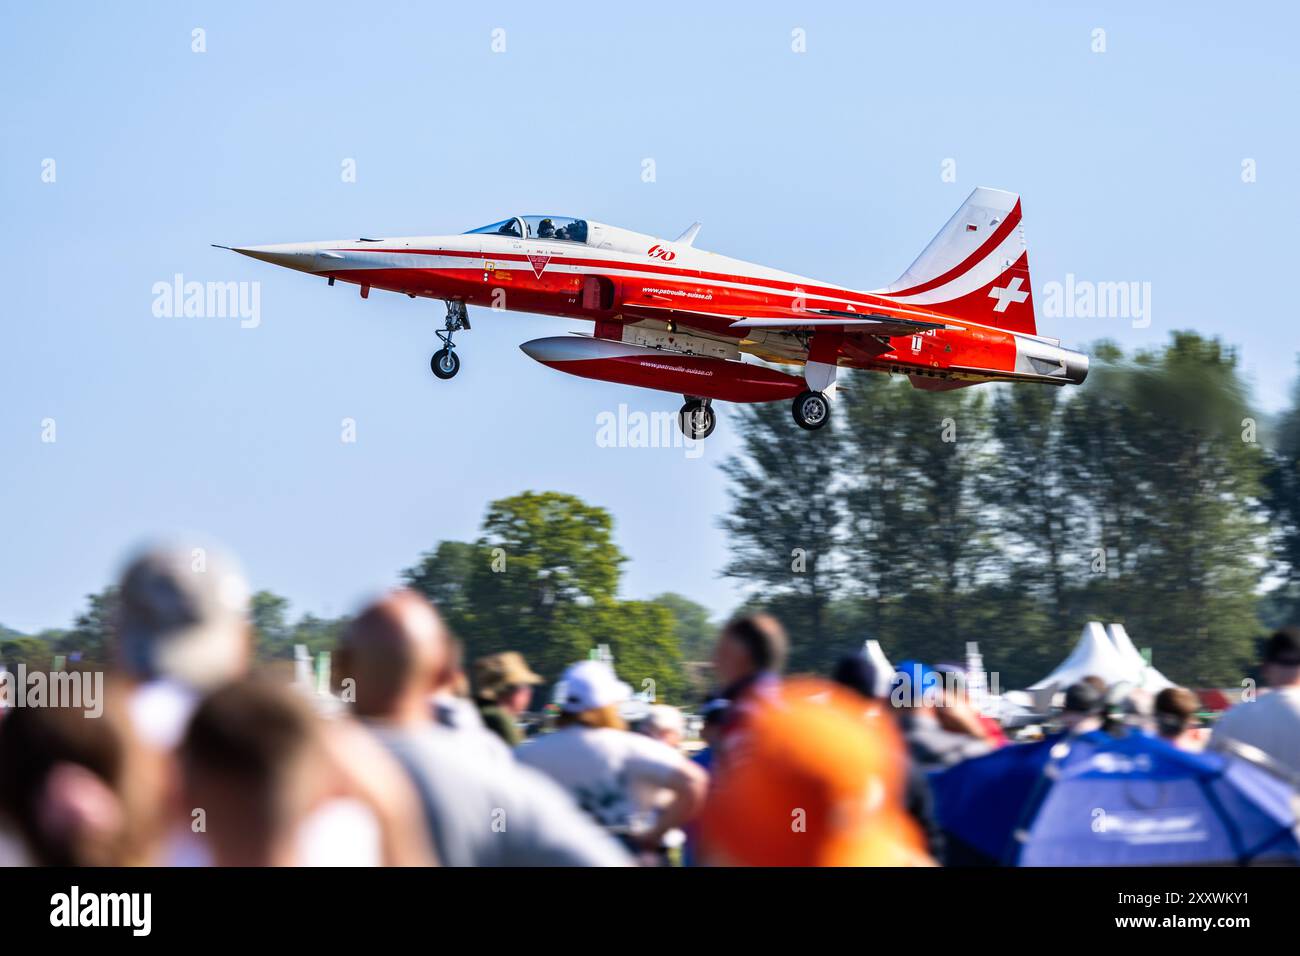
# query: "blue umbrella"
[[980, 801], [1131, 800]]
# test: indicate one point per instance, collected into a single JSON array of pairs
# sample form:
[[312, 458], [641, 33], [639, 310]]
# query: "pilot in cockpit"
[[509, 228], [546, 229]]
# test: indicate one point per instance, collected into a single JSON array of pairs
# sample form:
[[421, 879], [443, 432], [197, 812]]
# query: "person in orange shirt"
[[813, 779]]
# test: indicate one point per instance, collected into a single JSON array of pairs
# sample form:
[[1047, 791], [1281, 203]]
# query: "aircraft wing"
[[822, 319], [780, 319]]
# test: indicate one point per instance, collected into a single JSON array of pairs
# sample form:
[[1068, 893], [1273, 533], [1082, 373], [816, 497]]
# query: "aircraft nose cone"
[[290, 255]]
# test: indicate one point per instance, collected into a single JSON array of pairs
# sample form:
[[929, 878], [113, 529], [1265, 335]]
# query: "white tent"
[[872, 651], [1094, 655], [1151, 679]]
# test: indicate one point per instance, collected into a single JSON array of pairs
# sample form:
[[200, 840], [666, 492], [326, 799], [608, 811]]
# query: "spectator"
[[935, 739], [182, 629], [812, 785], [960, 715], [1175, 718], [664, 724], [1097, 684], [452, 707], [606, 767], [504, 690], [272, 786], [1084, 707], [1271, 723], [857, 673], [77, 790], [480, 813], [713, 714], [747, 660]]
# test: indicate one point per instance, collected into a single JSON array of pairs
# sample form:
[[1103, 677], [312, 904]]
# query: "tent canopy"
[[1152, 680], [1093, 655]]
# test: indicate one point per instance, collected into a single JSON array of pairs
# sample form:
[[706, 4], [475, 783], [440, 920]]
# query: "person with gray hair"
[[182, 628], [480, 812], [663, 723]]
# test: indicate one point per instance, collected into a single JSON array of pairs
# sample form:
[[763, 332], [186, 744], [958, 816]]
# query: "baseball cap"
[[858, 673], [495, 672], [183, 615], [588, 685], [1083, 698], [918, 682]]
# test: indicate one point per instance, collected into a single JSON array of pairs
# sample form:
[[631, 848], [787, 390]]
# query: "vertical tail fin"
[[976, 268]]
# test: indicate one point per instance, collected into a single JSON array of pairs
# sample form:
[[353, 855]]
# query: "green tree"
[[694, 629], [92, 632], [882, 563], [272, 633], [445, 576], [1205, 547], [785, 524], [921, 540], [318, 634], [1282, 496], [642, 637], [31, 652], [544, 559], [1037, 513]]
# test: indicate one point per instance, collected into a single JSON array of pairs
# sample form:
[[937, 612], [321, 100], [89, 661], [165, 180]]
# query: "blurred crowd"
[[416, 757]]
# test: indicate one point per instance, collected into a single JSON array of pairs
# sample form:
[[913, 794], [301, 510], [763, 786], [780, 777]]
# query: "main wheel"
[[697, 419], [445, 363], [811, 410]]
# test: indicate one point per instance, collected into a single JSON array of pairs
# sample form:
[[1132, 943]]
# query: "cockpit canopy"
[[561, 228]]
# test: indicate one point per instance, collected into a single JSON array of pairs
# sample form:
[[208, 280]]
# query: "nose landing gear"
[[445, 362]]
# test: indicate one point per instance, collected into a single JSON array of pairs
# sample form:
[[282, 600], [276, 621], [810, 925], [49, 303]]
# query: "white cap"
[[664, 719], [183, 615], [591, 684]]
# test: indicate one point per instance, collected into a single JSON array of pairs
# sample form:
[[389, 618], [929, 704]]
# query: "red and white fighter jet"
[[672, 317]]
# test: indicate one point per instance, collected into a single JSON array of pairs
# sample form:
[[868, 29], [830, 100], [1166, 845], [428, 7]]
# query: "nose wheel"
[[811, 410], [697, 418], [445, 362]]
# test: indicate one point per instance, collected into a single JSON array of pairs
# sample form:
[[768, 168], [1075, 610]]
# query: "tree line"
[[542, 578], [1010, 515], [1153, 495]]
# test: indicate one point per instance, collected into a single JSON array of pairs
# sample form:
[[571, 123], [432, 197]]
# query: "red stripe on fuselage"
[[527, 292]]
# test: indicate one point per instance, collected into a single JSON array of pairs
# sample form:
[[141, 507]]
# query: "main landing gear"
[[445, 362], [811, 410], [697, 418]]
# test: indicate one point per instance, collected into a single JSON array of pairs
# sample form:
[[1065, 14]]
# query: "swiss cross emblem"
[[539, 264], [1008, 294]]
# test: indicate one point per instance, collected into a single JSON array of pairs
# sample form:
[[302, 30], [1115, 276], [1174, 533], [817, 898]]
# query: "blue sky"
[[826, 162]]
